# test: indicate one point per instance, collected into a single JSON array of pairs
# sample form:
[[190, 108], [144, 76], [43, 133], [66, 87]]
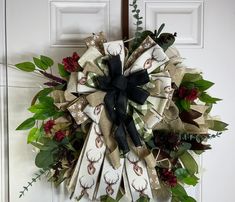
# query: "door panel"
[[56, 29], [206, 33]]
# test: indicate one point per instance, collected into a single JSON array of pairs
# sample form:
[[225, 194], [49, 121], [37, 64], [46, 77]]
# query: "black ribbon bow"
[[119, 89]]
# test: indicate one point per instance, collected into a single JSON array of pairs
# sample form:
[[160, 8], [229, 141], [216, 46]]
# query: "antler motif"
[[114, 53], [99, 142], [85, 187], [136, 168], [140, 189], [92, 160], [110, 182], [148, 63], [97, 109], [83, 80]]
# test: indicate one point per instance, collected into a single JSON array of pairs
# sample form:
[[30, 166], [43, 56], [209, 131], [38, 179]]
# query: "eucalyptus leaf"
[[26, 66], [44, 159], [27, 124]]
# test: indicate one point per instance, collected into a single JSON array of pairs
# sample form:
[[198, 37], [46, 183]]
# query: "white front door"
[[56, 29], [206, 33]]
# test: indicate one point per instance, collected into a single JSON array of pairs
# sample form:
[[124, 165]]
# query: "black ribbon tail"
[[137, 94], [132, 131], [120, 137]]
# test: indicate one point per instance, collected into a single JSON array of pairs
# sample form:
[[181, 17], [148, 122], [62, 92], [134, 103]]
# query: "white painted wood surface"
[[206, 33]]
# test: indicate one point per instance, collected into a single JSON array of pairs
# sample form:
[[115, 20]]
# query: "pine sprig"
[[30, 184]]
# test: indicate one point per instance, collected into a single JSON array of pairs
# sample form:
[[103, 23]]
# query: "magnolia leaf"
[[40, 64], [204, 97], [191, 77], [189, 116], [27, 124], [189, 163], [26, 66], [217, 125], [44, 159], [47, 60], [203, 85], [62, 71]]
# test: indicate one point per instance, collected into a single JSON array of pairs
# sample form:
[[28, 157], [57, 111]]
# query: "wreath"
[[122, 121]]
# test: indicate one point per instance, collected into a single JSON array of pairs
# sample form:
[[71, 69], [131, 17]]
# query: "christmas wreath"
[[121, 123]]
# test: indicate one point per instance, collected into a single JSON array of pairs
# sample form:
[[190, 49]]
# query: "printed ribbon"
[[116, 90]]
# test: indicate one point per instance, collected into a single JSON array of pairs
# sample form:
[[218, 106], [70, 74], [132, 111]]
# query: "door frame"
[[4, 135]]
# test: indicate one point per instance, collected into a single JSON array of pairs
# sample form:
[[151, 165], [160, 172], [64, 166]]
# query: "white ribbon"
[[110, 179], [137, 175]]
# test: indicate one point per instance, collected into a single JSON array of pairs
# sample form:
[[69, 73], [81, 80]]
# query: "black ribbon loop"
[[119, 89]]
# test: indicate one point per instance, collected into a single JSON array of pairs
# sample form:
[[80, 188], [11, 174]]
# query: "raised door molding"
[[70, 21], [183, 17]]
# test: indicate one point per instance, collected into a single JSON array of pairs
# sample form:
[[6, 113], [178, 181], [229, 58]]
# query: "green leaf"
[[62, 71], [27, 124], [46, 100], [181, 173], [40, 64], [217, 125], [182, 148], [160, 29], [185, 104], [143, 199], [204, 97], [43, 115], [180, 195], [191, 180], [47, 60], [189, 163], [203, 85], [191, 77], [178, 190], [44, 159], [32, 135], [26, 66], [44, 92], [184, 176]]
